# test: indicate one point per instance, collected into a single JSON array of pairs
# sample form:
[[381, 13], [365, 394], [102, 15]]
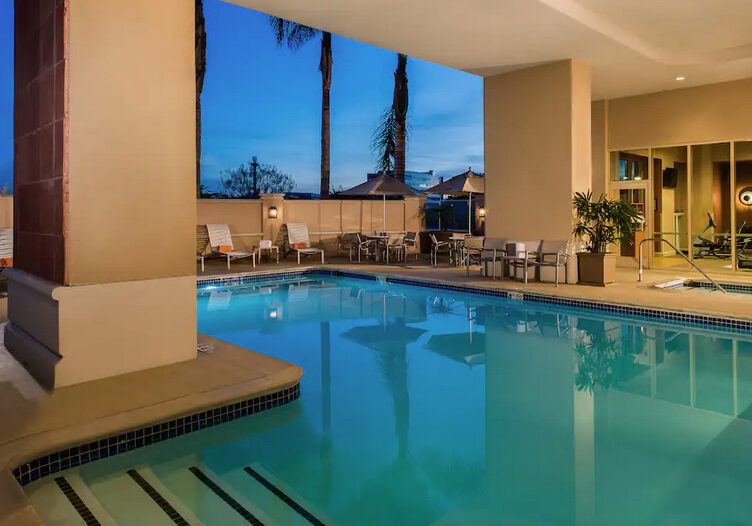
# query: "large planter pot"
[[596, 269]]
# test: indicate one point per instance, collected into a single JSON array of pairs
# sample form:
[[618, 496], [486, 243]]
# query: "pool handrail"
[[669, 243]]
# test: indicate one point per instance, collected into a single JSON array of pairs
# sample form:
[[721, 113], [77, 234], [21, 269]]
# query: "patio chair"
[[519, 255], [364, 247], [220, 241], [552, 254], [202, 240], [472, 249], [396, 244], [411, 242], [440, 247], [493, 250], [297, 240], [6, 247]]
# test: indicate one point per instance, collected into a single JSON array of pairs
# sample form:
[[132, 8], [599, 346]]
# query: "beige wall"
[[599, 145], [130, 212], [715, 112], [6, 211], [249, 222], [537, 148]]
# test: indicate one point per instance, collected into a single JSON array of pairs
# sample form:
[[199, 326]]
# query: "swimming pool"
[[427, 406]]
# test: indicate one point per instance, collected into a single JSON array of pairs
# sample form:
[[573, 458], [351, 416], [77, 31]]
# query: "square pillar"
[[537, 149], [104, 281]]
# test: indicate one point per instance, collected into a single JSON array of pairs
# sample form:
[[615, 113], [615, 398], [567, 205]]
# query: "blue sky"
[[260, 99]]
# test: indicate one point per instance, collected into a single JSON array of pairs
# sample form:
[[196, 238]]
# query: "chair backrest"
[[556, 246], [499, 243], [410, 238], [532, 245], [265, 243], [434, 241], [475, 242], [297, 233], [219, 236], [397, 239]]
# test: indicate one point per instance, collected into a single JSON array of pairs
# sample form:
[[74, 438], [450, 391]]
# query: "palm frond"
[[384, 140], [294, 34]]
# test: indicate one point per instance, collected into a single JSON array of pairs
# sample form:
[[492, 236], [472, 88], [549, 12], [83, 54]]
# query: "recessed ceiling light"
[[680, 78]]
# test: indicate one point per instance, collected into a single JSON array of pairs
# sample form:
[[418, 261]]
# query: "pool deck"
[[625, 291], [35, 422]]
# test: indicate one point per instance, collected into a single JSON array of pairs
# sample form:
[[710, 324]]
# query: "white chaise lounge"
[[299, 242], [220, 241]]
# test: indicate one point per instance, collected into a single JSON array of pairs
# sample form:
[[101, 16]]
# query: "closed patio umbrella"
[[467, 183], [382, 185]]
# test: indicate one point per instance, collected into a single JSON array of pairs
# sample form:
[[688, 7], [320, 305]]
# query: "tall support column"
[[537, 149], [104, 278]]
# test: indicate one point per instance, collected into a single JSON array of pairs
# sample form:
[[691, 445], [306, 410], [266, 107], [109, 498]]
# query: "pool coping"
[[512, 290], [28, 458]]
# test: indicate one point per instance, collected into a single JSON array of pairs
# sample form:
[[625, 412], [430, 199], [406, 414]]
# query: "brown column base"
[[68, 335]]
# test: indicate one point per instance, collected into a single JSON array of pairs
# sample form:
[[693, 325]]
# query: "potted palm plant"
[[601, 223]]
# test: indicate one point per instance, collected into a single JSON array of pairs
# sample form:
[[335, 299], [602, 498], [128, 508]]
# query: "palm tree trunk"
[[326, 83], [399, 103], [200, 72]]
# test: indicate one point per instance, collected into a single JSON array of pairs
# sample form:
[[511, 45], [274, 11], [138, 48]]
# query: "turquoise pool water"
[[422, 406]]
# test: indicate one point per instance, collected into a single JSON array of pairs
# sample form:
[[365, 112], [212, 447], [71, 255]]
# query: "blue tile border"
[[728, 324], [739, 288], [137, 438]]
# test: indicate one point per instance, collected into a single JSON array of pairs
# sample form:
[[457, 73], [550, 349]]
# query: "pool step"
[[210, 499], [185, 493]]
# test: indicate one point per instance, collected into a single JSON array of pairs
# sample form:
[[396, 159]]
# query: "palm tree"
[[399, 103], [200, 72], [296, 35], [389, 141]]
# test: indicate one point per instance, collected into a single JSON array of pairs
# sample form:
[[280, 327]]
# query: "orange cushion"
[[300, 245], [225, 248], [6, 262]]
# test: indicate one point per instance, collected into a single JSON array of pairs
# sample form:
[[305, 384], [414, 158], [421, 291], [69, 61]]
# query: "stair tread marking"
[[79, 505], [158, 498], [283, 496], [222, 494]]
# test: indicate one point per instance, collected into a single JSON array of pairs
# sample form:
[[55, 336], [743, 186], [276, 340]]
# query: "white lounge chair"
[[299, 242], [6, 248], [221, 243]]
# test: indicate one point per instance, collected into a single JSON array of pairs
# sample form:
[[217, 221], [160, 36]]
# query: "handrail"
[[669, 243]]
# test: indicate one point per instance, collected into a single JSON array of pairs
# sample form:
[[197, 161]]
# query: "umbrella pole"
[[469, 213], [383, 216]]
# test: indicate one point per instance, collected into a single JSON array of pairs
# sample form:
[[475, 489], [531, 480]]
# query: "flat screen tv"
[[670, 177]]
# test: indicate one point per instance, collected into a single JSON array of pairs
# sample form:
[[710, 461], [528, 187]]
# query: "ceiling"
[[633, 46]]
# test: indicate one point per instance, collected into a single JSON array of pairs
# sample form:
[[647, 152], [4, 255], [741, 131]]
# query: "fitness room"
[[696, 200]]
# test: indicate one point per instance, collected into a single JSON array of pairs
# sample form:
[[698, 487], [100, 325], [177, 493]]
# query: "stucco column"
[[104, 281], [270, 225], [537, 149]]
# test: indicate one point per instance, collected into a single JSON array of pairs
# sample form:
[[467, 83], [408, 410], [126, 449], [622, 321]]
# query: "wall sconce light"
[[481, 213], [745, 196], [272, 212]]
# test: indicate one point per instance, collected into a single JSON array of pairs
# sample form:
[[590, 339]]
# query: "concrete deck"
[[34, 422], [626, 291]]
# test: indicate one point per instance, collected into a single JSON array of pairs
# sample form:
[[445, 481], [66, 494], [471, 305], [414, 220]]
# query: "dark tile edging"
[[730, 287], [137, 438], [726, 323]]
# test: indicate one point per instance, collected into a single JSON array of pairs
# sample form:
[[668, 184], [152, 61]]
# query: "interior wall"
[[599, 146], [529, 194], [131, 192]]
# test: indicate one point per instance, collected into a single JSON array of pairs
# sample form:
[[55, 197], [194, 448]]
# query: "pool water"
[[422, 406]]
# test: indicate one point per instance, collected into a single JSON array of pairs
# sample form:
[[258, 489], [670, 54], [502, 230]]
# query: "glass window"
[[629, 165], [710, 206], [742, 196], [670, 194]]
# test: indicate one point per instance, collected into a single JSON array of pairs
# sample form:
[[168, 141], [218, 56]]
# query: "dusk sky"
[[260, 99]]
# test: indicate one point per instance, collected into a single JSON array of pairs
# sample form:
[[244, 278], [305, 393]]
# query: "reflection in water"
[[434, 407]]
